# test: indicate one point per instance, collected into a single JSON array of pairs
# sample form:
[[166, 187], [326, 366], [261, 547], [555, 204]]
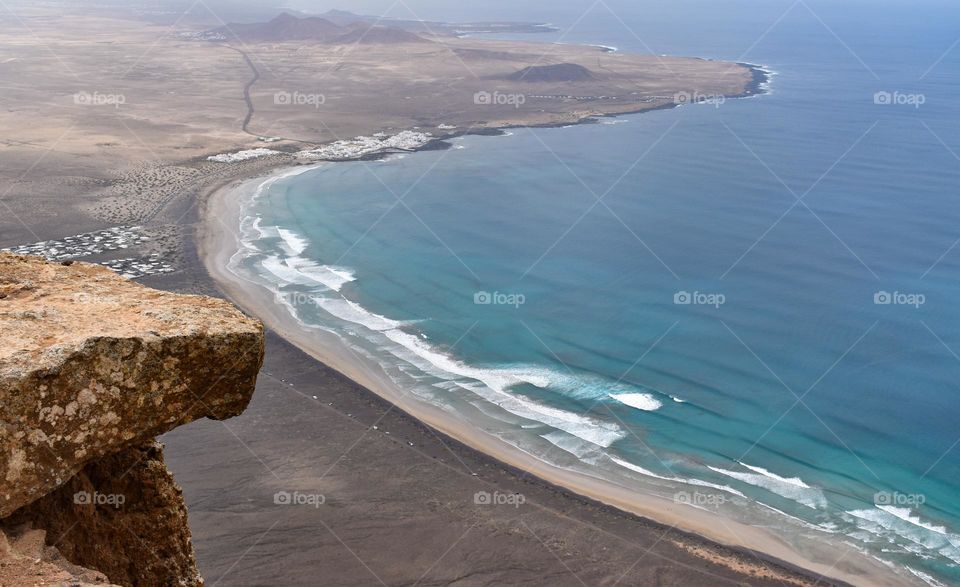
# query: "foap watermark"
[[496, 498], [886, 298], [699, 298], [299, 99], [484, 98], [298, 298], [89, 298], [298, 498], [717, 100], [699, 499], [895, 498], [114, 500], [84, 98], [899, 99], [486, 298]]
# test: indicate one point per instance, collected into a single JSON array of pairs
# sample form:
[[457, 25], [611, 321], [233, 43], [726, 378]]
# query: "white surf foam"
[[697, 482], [279, 269], [293, 242], [906, 515], [583, 450], [493, 386], [640, 401], [797, 520], [795, 481], [888, 522], [265, 231], [726, 488], [352, 312], [297, 270], [262, 188], [925, 578], [792, 488], [251, 225], [639, 469], [328, 275], [890, 528]]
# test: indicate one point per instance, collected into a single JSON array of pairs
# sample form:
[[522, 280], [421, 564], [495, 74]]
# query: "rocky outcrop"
[[557, 73], [92, 368], [122, 515], [25, 559]]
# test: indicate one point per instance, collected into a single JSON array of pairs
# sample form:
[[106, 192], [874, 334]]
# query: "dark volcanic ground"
[[399, 501]]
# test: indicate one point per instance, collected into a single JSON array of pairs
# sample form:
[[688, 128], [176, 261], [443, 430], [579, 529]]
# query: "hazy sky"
[[459, 9], [451, 10]]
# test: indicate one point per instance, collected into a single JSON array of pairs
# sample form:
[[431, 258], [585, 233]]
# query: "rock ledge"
[[94, 366]]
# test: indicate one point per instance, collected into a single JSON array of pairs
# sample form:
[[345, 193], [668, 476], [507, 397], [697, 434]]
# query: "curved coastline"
[[759, 85], [218, 242]]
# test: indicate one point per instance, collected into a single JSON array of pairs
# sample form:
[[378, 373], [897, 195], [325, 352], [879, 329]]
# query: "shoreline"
[[218, 241], [759, 85]]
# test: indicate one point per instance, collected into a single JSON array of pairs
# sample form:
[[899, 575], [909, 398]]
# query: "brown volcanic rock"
[[122, 515], [26, 560], [364, 34], [560, 72], [91, 364], [285, 27]]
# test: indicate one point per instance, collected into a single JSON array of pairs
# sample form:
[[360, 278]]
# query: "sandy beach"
[[219, 240]]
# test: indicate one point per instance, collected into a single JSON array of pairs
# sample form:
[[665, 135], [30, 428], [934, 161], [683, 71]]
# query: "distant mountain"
[[428, 28], [561, 72], [343, 18], [367, 35], [287, 27]]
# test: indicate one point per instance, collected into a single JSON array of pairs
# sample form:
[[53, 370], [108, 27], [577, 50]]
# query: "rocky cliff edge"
[[93, 368]]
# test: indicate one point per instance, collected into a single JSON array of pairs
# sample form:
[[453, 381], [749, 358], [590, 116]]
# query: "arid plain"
[[119, 105]]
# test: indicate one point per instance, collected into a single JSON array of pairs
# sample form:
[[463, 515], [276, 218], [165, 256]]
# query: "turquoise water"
[[789, 385]]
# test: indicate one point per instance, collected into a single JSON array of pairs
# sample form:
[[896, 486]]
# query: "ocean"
[[747, 307]]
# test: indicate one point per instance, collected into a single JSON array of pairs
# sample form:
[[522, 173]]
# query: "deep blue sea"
[[750, 306]]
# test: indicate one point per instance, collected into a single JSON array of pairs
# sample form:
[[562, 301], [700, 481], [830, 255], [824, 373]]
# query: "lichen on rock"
[[94, 367]]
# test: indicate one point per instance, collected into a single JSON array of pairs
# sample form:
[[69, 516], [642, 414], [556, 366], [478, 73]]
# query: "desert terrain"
[[116, 116]]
